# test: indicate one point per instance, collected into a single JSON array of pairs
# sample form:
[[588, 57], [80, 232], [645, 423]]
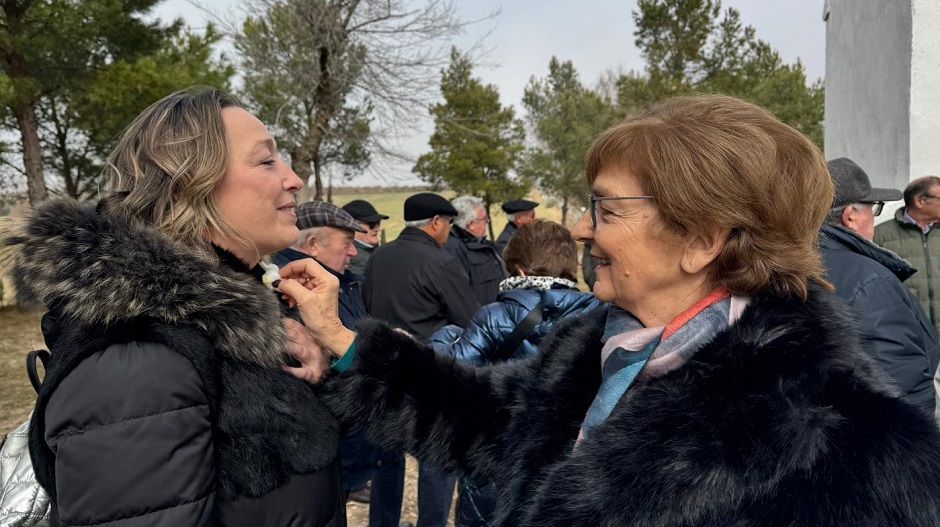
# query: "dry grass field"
[[19, 333]]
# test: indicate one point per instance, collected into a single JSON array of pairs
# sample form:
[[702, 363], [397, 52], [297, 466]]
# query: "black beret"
[[427, 205], [362, 210], [518, 205]]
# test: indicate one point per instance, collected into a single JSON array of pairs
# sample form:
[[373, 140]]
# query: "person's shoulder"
[[892, 229], [125, 381]]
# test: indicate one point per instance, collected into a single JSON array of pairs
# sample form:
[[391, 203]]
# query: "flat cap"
[[427, 205], [362, 210], [322, 214], [853, 186], [519, 205]]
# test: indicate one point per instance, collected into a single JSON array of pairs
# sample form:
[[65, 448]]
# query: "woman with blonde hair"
[[165, 401], [724, 385]]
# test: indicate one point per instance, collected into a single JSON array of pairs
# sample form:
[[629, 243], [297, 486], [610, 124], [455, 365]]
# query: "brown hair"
[[919, 187], [167, 164], [542, 248], [717, 161]]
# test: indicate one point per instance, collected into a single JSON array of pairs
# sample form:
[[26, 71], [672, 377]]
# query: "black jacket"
[[351, 306], [414, 285], [505, 236], [896, 332], [780, 420], [481, 262], [165, 401]]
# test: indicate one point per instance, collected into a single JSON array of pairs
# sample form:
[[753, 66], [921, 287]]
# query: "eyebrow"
[[264, 143]]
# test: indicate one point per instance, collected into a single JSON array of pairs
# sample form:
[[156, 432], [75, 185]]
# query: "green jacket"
[[923, 253]]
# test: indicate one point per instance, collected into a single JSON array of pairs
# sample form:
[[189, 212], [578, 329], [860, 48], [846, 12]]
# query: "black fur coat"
[[171, 365], [779, 421]]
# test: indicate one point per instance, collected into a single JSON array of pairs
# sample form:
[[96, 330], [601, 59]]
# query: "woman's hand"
[[315, 292], [314, 360]]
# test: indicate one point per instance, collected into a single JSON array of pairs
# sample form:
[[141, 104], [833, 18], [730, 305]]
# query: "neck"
[[427, 229], [667, 305], [241, 253], [919, 218]]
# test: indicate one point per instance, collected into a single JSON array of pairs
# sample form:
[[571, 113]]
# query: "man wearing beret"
[[896, 332], [414, 285], [519, 212], [366, 242], [326, 235]]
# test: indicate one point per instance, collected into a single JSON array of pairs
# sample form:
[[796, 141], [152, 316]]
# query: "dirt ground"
[[19, 334]]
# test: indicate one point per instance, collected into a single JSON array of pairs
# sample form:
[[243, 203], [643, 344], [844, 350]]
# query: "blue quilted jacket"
[[493, 323]]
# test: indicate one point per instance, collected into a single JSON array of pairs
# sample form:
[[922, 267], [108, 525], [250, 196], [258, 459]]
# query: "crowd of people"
[[752, 351]]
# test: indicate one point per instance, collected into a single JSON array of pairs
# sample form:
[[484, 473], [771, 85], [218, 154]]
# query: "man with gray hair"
[[326, 235], [895, 331], [477, 255]]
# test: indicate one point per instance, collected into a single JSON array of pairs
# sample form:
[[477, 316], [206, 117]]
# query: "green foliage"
[[52, 47], [84, 70], [565, 117], [80, 125], [689, 49], [476, 141], [300, 66]]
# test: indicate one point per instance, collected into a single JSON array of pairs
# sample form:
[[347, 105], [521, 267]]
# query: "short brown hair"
[[542, 248], [168, 163], [717, 161]]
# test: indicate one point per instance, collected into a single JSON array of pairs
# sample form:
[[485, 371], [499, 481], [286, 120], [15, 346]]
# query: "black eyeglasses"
[[929, 196], [592, 199], [876, 206], [373, 224]]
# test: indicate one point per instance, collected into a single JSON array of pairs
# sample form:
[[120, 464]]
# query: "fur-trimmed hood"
[[98, 270]]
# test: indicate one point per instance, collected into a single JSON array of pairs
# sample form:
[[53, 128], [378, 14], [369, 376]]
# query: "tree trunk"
[[319, 126], [564, 210], [300, 163], [32, 153], [25, 108], [318, 181], [489, 220]]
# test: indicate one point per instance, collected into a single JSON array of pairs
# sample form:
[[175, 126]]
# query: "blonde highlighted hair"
[[716, 161], [168, 163]]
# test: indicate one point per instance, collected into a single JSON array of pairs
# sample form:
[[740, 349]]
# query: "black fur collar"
[[99, 270]]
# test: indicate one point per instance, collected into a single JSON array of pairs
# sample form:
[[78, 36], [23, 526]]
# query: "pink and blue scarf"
[[633, 353]]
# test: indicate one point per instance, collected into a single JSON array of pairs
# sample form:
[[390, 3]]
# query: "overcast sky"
[[596, 35]]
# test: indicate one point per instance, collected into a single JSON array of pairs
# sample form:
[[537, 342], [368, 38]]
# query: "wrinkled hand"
[[315, 292], [314, 360]]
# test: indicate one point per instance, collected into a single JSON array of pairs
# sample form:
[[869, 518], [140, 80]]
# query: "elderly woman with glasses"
[[723, 385]]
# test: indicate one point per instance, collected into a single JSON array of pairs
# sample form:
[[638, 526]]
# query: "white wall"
[[925, 89], [868, 84]]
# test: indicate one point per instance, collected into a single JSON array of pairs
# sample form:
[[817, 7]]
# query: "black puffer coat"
[[780, 420], [165, 402]]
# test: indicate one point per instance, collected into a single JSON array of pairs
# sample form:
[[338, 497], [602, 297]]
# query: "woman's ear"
[[702, 249], [519, 271]]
